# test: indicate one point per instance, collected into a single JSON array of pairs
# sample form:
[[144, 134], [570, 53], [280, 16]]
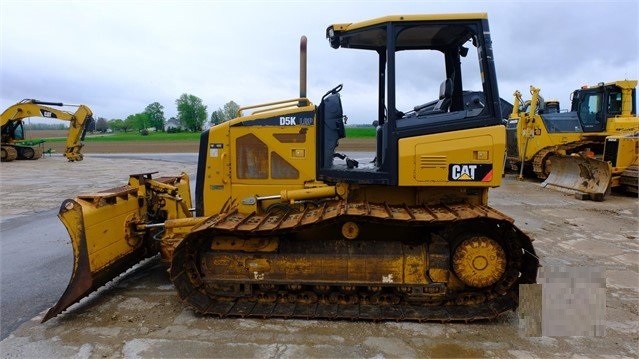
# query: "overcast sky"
[[119, 56]]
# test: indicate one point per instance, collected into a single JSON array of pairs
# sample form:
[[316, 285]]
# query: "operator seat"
[[445, 96], [332, 118], [443, 103]]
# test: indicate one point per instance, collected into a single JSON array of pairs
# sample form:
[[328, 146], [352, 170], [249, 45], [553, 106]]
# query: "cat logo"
[[46, 113], [463, 172], [470, 172]]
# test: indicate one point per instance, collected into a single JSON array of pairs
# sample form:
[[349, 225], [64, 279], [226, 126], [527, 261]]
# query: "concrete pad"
[[140, 316]]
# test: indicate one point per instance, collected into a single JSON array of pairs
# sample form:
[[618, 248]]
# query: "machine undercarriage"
[[340, 260]]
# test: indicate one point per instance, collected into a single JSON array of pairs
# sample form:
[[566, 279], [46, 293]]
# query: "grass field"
[[357, 139], [360, 132], [59, 135]]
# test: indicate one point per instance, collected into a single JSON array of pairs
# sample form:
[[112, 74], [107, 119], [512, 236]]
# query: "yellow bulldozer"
[[285, 226], [537, 134], [591, 177], [14, 146], [577, 151]]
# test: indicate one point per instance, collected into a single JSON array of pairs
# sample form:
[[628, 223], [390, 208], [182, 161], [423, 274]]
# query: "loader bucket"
[[105, 242], [585, 177]]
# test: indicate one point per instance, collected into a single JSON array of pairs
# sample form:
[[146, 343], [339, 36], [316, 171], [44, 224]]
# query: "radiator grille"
[[432, 161]]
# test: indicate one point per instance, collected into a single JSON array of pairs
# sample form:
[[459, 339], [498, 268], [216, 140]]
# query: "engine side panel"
[[473, 157]]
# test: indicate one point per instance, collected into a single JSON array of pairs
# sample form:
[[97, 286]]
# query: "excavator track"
[[328, 261], [540, 163], [29, 153], [9, 153]]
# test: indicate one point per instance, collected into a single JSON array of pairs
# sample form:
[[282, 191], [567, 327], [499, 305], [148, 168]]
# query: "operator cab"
[[593, 106], [415, 55], [13, 131]]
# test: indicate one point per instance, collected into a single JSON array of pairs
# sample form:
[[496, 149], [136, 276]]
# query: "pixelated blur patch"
[[529, 311], [567, 301]]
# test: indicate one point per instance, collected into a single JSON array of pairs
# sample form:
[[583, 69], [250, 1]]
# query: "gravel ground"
[[139, 315]]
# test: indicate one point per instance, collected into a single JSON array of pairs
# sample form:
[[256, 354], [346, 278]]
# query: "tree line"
[[191, 116]]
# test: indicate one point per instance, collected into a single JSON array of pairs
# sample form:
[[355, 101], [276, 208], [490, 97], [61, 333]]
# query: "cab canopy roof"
[[419, 31]]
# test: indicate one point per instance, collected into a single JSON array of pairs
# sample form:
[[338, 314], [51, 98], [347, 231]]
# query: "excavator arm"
[[77, 130], [79, 120]]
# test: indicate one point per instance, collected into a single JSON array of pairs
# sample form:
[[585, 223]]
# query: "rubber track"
[[191, 287]]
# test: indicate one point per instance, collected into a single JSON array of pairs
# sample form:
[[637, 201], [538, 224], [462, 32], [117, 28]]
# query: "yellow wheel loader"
[[538, 133], [285, 226], [14, 145]]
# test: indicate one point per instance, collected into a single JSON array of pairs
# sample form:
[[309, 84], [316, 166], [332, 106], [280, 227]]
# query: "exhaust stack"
[[303, 67]]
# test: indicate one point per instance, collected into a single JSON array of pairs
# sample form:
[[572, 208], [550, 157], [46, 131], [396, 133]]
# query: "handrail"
[[291, 102]]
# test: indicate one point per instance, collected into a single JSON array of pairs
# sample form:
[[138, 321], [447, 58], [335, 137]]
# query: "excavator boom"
[[12, 118]]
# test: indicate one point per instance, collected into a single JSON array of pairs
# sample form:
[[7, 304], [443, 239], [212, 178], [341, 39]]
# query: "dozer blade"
[[105, 241], [585, 177]]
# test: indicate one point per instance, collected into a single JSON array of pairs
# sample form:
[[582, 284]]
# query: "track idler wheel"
[[27, 153], [479, 261], [9, 154]]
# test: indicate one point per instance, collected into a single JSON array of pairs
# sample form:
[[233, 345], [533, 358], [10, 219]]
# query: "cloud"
[[119, 56]]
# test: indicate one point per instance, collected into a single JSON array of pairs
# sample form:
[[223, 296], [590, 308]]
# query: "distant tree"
[[143, 121], [101, 125], [231, 110], [155, 113], [191, 112], [129, 123], [90, 125], [217, 117], [116, 124], [228, 112], [139, 121]]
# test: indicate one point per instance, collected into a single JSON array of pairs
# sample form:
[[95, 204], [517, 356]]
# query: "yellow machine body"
[[285, 226], [469, 158], [14, 145], [592, 178], [536, 134]]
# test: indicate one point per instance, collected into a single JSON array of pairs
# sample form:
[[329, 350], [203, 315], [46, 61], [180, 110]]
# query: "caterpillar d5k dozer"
[[538, 133], [285, 226], [592, 178]]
